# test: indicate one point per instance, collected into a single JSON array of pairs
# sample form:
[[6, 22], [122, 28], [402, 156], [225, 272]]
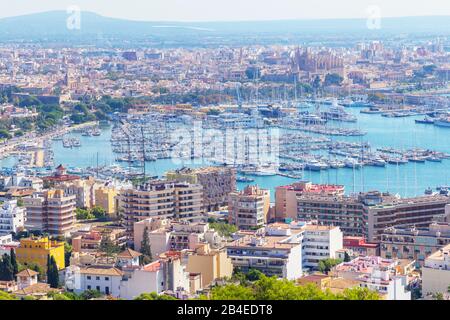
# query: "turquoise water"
[[407, 180]]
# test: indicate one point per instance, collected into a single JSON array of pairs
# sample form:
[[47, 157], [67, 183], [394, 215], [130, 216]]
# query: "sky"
[[232, 10]]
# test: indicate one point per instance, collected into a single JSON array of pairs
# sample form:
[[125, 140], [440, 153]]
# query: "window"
[[106, 278], [97, 278], [98, 288], [89, 287], [89, 277]]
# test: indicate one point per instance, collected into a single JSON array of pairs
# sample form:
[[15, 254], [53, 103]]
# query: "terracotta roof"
[[37, 288], [108, 271], [152, 267], [27, 273], [129, 254]]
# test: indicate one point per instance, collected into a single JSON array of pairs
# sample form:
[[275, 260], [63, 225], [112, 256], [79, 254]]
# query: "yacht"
[[311, 119], [442, 122], [352, 163], [337, 113], [315, 165]]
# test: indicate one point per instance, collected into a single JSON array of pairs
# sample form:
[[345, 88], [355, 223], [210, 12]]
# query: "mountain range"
[[54, 24]]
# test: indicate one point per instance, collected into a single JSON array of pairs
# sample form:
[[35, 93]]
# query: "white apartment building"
[[163, 275], [376, 273], [105, 279], [22, 181], [12, 217], [284, 250], [436, 272], [320, 242]]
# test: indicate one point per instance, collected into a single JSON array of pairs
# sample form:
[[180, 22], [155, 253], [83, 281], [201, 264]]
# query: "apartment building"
[[12, 217], [83, 190], [414, 243], [249, 208], [37, 250], [165, 235], [286, 197], [336, 210], [106, 198], [369, 214], [418, 211], [378, 274], [436, 272], [89, 240], [51, 211], [19, 180], [320, 242], [284, 250], [161, 199], [211, 264], [359, 246], [217, 183]]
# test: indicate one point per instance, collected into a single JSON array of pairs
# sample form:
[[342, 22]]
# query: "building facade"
[[12, 217], [436, 272], [414, 243], [37, 251], [51, 212], [217, 183], [249, 208]]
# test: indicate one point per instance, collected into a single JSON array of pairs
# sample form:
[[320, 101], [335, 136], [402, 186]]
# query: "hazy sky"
[[211, 10]]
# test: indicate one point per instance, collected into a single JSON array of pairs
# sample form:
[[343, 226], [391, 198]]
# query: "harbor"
[[396, 154]]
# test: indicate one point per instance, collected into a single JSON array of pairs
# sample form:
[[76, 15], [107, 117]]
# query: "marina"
[[408, 164]]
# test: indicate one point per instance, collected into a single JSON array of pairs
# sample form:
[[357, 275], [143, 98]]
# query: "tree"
[[223, 229], [6, 269], [91, 294], [14, 262], [154, 296], [6, 296], [326, 264], [52, 272], [359, 293], [254, 274], [333, 79], [271, 288], [98, 212], [232, 292], [316, 83], [346, 257], [146, 249], [107, 246], [67, 253], [83, 214]]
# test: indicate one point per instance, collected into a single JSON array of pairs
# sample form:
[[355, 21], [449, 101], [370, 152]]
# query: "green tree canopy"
[[146, 248], [154, 296]]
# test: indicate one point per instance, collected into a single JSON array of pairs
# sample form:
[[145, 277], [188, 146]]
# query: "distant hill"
[[54, 24]]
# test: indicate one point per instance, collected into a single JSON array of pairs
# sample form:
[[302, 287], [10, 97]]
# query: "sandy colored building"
[[106, 198], [161, 199], [210, 264], [217, 183], [286, 196]]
